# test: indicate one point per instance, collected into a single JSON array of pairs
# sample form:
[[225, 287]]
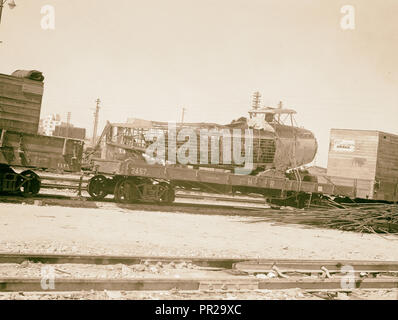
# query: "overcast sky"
[[148, 59]]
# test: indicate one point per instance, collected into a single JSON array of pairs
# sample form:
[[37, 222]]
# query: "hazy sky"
[[148, 59]]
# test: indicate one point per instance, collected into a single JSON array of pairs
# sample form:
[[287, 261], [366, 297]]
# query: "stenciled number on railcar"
[[138, 171], [251, 181]]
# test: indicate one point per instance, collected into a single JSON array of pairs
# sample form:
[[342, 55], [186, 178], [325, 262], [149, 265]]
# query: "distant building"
[[53, 126], [63, 130], [48, 124]]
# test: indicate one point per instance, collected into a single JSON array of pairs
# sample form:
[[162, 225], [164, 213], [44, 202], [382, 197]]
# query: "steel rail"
[[252, 200], [112, 260], [206, 285], [241, 264], [314, 266], [230, 208], [236, 281]]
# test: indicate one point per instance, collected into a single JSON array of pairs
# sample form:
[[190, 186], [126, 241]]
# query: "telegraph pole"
[[1, 8], [11, 4], [96, 116], [280, 106], [256, 100], [183, 115], [68, 124]]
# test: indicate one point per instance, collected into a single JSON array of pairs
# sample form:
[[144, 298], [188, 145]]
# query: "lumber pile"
[[370, 218], [363, 218]]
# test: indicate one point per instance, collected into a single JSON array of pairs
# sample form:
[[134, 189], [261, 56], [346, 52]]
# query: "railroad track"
[[204, 285], [79, 184], [231, 208], [222, 274]]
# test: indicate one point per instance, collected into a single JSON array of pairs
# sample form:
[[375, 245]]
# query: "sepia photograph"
[[222, 152]]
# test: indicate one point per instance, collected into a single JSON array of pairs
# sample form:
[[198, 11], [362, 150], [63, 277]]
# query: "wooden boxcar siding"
[[363, 188], [20, 104], [387, 167], [31, 150], [353, 154]]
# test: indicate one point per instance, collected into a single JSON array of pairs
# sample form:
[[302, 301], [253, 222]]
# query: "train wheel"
[[29, 183], [5, 168], [6, 173], [126, 191], [97, 187], [168, 195]]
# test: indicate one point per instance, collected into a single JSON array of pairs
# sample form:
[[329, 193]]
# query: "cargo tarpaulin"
[[29, 74]]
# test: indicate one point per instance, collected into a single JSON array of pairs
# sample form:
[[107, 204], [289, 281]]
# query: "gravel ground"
[[170, 295], [292, 294], [28, 228], [118, 231]]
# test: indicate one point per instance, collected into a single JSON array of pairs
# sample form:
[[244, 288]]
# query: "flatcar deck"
[[219, 182]]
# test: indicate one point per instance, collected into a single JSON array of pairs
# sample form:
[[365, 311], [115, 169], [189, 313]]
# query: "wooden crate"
[[20, 104], [367, 160]]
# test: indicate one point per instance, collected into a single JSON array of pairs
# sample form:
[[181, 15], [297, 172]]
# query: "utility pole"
[[96, 116], [11, 4], [68, 124], [280, 106], [1, 8], [183, 115], [256, 100]]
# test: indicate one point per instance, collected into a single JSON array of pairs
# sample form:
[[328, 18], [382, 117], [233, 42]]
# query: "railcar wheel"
[[5, 168], [126, 191], [97, 187], [29, 183], [168, 195]]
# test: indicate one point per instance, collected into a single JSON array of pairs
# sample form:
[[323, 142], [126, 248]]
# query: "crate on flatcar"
[[20, 102], [366, 160]]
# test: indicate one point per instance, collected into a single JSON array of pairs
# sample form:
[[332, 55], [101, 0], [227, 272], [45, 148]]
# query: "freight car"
[[126, 171], [132, 182], [21, 148], [366, 160]]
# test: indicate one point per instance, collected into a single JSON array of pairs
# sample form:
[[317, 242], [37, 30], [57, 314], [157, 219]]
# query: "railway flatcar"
[[126, 169]]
